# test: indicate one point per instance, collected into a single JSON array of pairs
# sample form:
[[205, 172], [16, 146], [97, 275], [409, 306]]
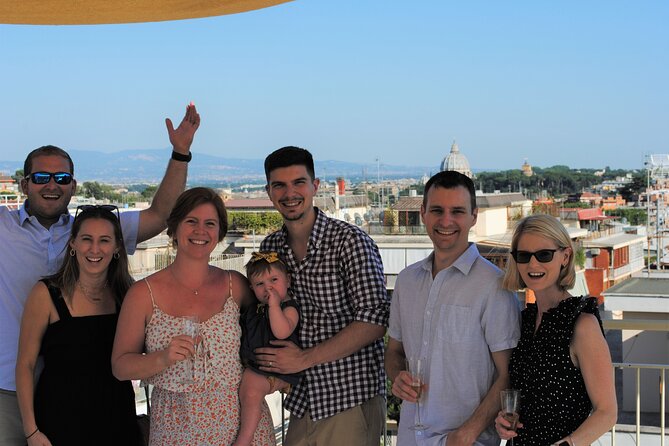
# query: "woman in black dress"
[[70, 319], [562, 365]]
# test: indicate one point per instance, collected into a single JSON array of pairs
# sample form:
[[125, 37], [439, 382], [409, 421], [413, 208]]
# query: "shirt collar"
[[463, 263], [25, 216], [317, 232]]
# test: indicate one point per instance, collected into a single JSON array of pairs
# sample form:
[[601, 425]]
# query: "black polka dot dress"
[[554, 400]]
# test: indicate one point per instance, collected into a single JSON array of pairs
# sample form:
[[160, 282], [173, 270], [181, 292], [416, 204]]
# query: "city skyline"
[[573, 84]]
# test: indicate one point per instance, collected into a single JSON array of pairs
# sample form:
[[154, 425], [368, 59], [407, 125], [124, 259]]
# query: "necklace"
[[87, 293], [192, 290]]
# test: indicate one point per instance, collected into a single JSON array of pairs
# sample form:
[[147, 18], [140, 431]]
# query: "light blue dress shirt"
[[28, 252], [455, 321]]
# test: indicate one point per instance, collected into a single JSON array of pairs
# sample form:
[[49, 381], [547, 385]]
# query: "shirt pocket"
[[455, 324]]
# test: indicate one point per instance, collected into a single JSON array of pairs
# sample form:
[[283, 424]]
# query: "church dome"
[[527, 169], [457, 161]]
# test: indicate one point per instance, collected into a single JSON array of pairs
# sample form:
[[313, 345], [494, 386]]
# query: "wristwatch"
[[176, 156]]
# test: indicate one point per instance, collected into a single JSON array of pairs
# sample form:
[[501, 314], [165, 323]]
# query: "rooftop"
[[641, 286]]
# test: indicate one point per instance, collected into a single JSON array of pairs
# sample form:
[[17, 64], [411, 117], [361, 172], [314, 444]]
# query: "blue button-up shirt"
[[28, 252], [455, 321]]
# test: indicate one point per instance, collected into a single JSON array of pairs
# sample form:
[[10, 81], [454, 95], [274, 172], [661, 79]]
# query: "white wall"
[[491, 221]]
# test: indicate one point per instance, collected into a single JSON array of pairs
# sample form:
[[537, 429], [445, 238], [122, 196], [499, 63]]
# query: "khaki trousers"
[[11, 427], [361, 425]]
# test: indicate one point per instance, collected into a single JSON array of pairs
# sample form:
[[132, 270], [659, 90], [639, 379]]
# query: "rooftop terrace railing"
[[662, 369]]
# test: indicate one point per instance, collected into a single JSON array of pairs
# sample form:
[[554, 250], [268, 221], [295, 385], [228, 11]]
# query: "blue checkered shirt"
[[339, 281]]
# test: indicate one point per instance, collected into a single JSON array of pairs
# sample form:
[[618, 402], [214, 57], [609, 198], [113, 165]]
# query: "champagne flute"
[[510, 399], [416, 368], [191, 327]]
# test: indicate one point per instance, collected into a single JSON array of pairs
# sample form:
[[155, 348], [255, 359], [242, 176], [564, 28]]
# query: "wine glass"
[[416, 368], [190, 327], [510, 399]]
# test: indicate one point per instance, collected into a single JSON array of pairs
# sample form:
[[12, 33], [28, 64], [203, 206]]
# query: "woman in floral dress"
[[196, 380]]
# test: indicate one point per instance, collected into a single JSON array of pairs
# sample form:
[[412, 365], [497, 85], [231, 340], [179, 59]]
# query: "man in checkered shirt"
[[337, 278]]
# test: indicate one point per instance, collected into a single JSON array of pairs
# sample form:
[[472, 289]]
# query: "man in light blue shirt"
[[33, 242], [450, 310]]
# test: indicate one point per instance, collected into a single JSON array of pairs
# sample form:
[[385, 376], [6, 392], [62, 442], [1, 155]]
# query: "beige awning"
[[95, 12]]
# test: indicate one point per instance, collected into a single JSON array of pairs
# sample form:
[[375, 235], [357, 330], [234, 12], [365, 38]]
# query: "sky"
[[576, 83]]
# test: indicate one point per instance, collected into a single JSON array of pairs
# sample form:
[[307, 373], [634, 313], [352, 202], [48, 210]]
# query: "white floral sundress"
[[206, 412]]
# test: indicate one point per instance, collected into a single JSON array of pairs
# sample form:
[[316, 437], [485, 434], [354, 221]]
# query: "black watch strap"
[[176, 156], [564, 443]]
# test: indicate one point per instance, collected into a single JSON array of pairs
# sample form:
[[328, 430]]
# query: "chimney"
[[341, 186]]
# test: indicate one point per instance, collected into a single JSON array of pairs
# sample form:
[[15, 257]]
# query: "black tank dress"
[[77, 400], [554, 400], [256, 333]]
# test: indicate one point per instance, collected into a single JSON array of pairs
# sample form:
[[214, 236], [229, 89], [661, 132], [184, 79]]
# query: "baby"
[[275, 316]]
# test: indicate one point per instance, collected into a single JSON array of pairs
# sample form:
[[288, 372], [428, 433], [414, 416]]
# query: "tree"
[[149, 192], [18, 175], [634, 216], [92, 189], [631, 191], [260, 222]]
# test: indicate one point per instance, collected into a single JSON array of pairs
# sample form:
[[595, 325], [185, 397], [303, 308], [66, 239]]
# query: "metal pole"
[[613, 429], [662, 405], [648, 212], [283, 417], [638, 405]]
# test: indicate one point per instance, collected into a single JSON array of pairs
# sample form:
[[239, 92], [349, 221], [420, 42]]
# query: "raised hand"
[[181, 138]]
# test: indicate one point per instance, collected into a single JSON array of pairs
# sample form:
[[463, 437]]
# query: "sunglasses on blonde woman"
[[542, 256]]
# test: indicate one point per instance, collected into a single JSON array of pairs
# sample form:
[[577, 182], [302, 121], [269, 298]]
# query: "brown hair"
[[264, 261], [45, 151], [289, 156], [191, 199], [450, 179], [118, 275]]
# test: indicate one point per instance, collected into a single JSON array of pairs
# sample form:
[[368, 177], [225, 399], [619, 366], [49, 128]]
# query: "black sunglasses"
[[542, 256], [93, 207], [62, 178]]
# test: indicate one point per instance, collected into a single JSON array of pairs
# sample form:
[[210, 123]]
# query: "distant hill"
[[148, 166]]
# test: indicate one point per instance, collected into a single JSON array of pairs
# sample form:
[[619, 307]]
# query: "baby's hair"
[[263, 261]]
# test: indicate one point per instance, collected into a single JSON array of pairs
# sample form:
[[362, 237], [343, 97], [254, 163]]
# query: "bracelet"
[[34, 432], [176, 156]]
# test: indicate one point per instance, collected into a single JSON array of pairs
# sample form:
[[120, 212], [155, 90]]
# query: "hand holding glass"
[[191, 327], [510, 399], [416, 368]]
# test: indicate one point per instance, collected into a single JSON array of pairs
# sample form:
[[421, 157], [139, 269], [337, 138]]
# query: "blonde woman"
[[562, 365]]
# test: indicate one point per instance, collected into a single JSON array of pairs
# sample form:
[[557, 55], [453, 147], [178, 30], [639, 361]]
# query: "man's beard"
[[293, 217]]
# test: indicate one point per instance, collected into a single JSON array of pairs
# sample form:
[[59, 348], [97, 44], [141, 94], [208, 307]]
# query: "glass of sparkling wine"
[[510, 399], [416, 368], [190, 327]]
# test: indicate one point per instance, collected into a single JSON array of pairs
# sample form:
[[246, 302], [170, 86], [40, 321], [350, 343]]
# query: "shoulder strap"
[[153, 302], [58, 301], [230, 283]]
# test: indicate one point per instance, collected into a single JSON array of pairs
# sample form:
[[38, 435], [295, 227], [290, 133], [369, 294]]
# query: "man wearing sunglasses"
[[33, 242], [450, 310]]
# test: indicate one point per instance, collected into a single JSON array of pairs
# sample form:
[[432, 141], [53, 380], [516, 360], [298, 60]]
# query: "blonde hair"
[[548, 227]]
